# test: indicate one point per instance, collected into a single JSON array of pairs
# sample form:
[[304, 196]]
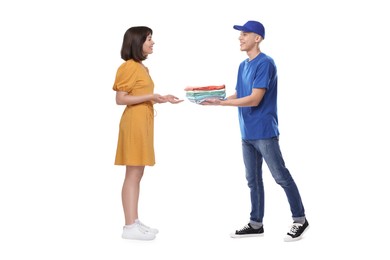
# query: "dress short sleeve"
[[125, 77]]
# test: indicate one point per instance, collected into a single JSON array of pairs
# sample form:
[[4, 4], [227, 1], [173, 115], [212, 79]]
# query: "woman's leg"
[[130, 192]]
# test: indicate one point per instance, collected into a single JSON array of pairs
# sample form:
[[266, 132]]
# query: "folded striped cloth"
[[199, 94]]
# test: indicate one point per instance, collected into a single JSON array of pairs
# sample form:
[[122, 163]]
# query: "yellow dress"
[[136, 129]]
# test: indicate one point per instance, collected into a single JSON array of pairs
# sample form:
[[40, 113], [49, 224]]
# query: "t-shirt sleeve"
[[263, 75], [125, 77]]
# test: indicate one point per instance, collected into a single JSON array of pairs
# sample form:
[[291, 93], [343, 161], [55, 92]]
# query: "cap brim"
[[241, 28]]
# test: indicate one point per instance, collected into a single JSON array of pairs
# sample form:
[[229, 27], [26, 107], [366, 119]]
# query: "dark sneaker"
[[248, 231], [296, 231]]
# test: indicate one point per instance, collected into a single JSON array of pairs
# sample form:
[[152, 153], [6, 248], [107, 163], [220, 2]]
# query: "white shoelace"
[[145, 227], [294, 228], [244, 228], [138, 226]]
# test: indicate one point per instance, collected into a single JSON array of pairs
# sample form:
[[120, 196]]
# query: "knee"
[[251, 181], [283, 177]]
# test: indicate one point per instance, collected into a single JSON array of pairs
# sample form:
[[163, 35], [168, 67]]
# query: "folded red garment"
[[204, 88]]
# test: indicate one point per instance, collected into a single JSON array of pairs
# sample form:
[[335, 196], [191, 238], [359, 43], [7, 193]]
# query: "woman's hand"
[[157, 98], [172, 99]]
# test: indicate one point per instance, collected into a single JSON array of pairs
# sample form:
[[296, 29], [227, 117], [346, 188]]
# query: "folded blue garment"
[[199, 94]]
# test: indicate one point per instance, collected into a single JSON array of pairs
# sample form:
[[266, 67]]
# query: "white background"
[[59, 189]]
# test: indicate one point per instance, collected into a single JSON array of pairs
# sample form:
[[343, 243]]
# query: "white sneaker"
[[137, 232], [147, 228]]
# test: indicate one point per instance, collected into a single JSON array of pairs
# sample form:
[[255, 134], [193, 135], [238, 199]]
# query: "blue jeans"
[[254, 151]]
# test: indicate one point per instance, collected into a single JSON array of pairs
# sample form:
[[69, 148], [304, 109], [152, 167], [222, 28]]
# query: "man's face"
[[248, 40]]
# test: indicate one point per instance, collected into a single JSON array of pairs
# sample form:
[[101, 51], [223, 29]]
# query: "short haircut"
[[133, 41]]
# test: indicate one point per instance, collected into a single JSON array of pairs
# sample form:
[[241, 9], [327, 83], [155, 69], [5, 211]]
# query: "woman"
[[134, 88]]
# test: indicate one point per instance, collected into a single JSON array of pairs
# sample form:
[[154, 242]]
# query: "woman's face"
[[147, 48]]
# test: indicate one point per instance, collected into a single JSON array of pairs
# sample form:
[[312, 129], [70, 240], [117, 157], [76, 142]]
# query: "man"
[[255, 97]]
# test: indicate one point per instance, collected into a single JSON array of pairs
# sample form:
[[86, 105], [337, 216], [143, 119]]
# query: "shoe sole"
[[243, 236], [290, 239], [140, 239]]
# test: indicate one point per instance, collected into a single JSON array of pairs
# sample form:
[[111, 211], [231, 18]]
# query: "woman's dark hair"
[[133, 41]]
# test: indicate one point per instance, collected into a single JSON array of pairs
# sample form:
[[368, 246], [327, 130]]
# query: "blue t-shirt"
[[259, 122]]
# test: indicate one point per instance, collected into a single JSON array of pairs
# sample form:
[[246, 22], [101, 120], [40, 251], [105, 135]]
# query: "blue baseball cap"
[[251, 26]]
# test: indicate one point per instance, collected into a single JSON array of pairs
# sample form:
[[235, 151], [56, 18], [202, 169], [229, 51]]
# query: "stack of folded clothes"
[[199, 94]]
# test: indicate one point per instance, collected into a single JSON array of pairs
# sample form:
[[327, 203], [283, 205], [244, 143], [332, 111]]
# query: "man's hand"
[[211, 102]]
